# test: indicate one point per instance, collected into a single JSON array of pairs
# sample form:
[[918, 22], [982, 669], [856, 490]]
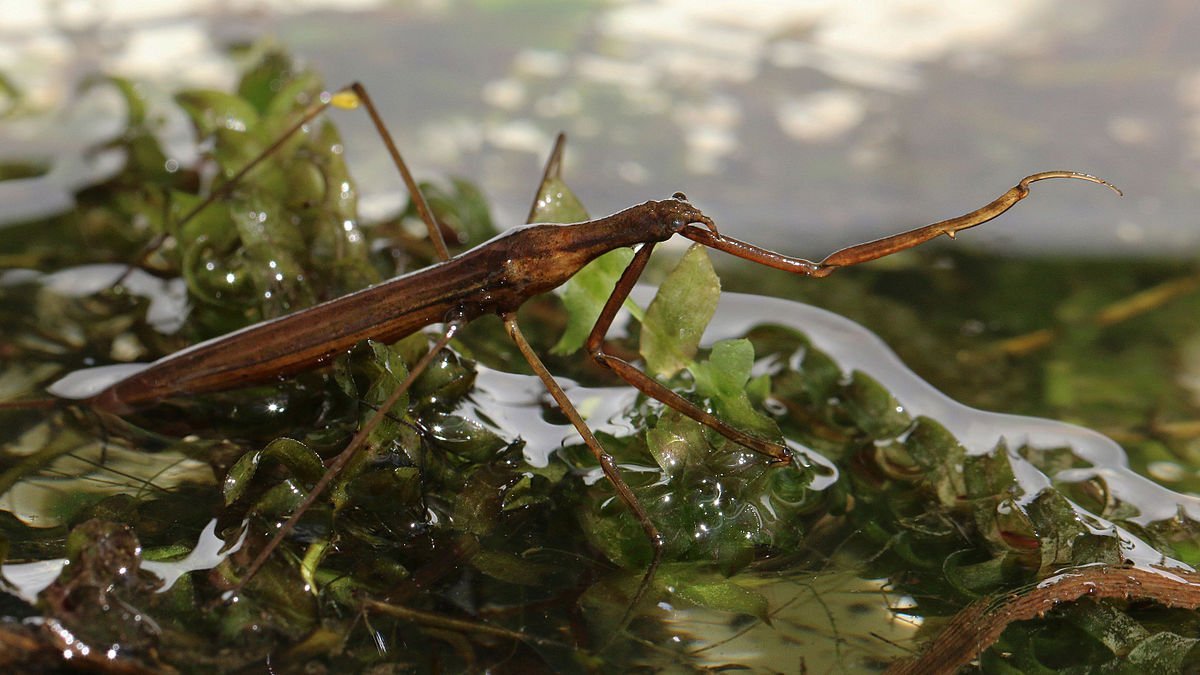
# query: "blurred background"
[[801, 125]]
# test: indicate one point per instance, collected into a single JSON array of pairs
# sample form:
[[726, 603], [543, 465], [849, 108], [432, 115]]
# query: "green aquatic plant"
[[473, 532]]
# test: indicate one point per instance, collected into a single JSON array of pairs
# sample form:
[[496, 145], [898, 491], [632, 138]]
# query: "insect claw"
[[1077, 175]]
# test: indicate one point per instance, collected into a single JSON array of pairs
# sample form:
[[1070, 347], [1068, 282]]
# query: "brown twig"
[[977, 627]]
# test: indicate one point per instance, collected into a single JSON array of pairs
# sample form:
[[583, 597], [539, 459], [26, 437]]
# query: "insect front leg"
[[861, 253], [651, 387]]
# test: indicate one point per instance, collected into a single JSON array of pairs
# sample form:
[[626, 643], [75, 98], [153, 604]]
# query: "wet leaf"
[[510, 568], [311, 561], [391, 371], [463, 437], [556, 203], [1165, 652], [297, 457], [478, 505], [710, 591], [723, 379], [584, 296], [873, 408], [676, 318], [212, 111], [462, 209], [676, 442], [617, 535]]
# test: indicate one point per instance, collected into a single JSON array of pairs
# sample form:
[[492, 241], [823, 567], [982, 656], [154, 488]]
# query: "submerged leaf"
[[705, 589], [676, 442], [296, 456]]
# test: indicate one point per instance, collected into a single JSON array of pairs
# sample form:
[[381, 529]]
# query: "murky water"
[[854, 609]]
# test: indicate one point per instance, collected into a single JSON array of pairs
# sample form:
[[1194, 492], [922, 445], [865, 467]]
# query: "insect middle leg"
[[851, 255], [607, 465]]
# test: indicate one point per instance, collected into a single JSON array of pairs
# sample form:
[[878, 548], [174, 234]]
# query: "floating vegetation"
[[475, 532]]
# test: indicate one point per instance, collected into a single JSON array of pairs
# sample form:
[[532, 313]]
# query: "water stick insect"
[[494, 278]]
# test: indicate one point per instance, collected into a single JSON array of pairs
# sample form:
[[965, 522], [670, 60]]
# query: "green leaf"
[[676, 318], [617, 535], [1165, 653], [676, 442], [461, 207], [281, 500], [260, 82], [510, 568], [461, 436], [873, 408], [311, 561], [132, 94], [390, 374], [585, 293], [556, 203], [480, 500], [723, 377], [211, 110], [584, 296], [726, 596], [711, 591], [303, 462]]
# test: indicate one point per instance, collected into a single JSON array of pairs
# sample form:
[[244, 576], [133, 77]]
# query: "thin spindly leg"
[[338, 463], [606, 461], [860, 253], [414, 191], [346, 97], [653, 388], [223, 190]]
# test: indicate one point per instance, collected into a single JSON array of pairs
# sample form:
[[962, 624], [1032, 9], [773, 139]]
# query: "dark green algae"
[[460, 540]]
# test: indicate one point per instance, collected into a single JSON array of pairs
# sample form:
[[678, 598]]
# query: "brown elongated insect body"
[[495, 277]]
